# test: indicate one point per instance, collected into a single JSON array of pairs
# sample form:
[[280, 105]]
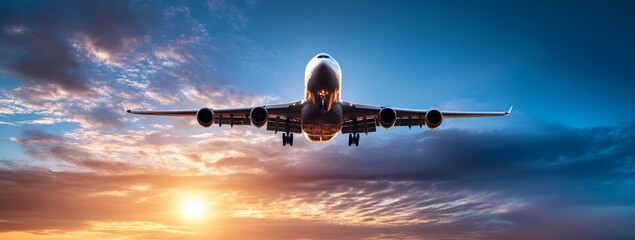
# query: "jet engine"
[[433, 119], [387, 117], [205, 117], [259, 116]]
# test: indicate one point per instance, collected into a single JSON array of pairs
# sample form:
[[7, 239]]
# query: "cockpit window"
[[323, 56]]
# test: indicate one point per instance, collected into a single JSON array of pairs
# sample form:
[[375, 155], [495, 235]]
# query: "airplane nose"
[[323, 77], [321, 68]]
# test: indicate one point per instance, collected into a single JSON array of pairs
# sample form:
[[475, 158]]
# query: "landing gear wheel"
[[322, 105], [353, 139], [287, 139]]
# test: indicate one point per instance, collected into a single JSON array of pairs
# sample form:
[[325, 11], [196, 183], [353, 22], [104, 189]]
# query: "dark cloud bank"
[[35, 36], [563, 183]]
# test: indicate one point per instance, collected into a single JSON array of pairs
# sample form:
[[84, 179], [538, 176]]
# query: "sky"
[[73, 165]]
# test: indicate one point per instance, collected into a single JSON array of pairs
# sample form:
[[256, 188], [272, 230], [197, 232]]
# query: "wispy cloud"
[[228, 12]]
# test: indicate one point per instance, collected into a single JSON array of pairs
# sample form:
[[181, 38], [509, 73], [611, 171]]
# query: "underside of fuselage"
[[321, 126]]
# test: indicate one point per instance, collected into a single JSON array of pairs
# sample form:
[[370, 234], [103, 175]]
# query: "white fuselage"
[[322, 113]]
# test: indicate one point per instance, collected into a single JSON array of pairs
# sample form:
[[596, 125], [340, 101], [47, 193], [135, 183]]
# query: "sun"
[[193, 208]]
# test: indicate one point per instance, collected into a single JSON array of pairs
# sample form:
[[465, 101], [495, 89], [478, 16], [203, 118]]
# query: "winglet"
[[125, 108], [509, 111]]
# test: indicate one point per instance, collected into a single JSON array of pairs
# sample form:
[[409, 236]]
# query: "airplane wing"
[[361, 118], [278, 115]]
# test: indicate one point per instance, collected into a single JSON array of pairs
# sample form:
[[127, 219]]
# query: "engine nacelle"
[[259, 116], [205, 117], [387, 117], [433, 119]]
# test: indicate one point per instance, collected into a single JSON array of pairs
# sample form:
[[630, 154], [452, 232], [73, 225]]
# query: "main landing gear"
[[353, 139], [287, 139]]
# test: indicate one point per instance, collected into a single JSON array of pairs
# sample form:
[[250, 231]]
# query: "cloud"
[[111, 26], [59, 105], [449, 184], [37, 41], [227, 12], [78, 61], [81, 199], [45, 59], [454, 153]]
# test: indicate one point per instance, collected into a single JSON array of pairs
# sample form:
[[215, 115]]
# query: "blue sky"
[[547, 58], [561, 166]]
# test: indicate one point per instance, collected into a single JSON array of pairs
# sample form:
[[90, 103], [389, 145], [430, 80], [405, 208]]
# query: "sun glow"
[[193, 208]]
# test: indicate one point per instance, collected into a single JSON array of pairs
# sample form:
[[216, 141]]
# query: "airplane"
[[322, 114]]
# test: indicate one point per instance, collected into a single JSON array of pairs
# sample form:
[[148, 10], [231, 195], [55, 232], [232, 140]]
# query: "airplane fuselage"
[[322, 112]]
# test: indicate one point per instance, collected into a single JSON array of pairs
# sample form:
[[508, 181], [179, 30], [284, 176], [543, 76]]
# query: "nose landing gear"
[[287, 139], [322, 105], [353, 139]]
